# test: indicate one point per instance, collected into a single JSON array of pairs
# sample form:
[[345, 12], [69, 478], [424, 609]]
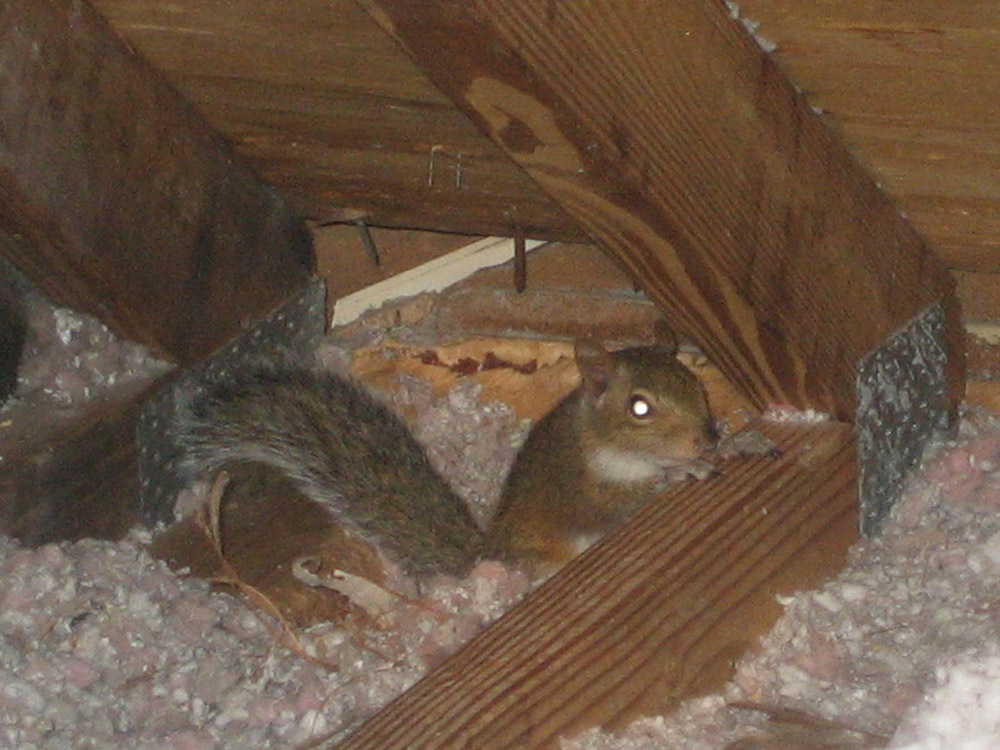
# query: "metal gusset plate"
[[903, 400], [290, 334]]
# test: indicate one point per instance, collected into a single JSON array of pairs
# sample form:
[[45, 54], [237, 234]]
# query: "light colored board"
[[654, 614], [432, 276]]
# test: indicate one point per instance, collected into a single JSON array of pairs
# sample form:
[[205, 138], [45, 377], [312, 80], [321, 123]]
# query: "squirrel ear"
[[665, 336], [595, 363]]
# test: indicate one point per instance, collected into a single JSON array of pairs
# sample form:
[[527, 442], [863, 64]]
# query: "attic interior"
[[803, 190]]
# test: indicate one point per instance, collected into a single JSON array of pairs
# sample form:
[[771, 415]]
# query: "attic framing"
[[737, 210], [676, 142]]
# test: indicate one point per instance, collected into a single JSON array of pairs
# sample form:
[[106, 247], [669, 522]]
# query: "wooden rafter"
[[120, 201], [654, 614], [678, 144]]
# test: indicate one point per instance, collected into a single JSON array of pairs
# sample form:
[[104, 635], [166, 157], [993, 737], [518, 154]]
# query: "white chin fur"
[[583, 542], [623, 467]]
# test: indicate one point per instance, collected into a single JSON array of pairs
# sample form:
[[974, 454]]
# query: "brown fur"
[[355, 458], [343, 450], [555, 500]]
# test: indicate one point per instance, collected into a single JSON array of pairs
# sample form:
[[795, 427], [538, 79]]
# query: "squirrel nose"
[[709, 436]]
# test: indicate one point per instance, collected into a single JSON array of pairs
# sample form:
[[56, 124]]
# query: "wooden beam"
[[70, 476], [654, 614], [900, 82], [341, 120], [120, 201], [679, 145]]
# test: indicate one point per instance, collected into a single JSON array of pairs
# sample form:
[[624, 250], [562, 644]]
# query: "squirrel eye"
[[639, 407]]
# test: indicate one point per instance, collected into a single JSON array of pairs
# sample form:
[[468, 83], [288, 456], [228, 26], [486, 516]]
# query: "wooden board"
[[326, 107], [329, 109], [904, 84], [119, 200], [679, 145], [654, 614], [70, 474]]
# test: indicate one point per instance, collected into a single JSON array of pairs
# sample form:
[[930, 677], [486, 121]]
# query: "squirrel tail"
[[342, 449]]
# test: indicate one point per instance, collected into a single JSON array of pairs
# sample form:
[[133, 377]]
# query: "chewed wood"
[[654, 614]]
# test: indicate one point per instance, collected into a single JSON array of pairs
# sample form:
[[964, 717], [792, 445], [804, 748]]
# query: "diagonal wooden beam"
[[119, 200], [71, 476], [678, 144], [652, 615]]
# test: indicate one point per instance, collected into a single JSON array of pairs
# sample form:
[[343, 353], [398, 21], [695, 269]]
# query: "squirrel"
[[638, 421], [344, 450]]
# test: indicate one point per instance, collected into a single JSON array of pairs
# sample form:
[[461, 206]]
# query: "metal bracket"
[[291, 333], [903, 400]]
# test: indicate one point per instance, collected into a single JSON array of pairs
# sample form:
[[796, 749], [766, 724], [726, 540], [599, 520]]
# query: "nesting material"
[[102, 645]]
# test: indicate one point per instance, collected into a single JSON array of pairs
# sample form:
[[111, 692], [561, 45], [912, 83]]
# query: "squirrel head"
[[641, 407]]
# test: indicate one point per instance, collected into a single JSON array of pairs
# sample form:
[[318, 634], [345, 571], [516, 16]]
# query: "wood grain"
[[71, 474], [120, 201], [679, 145], [328, 109], [652, 615], [904, 86]]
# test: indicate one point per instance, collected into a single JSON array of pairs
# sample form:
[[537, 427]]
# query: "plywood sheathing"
[[327, 108], [906, 84], [676, 142], [120, 201], [654, 613]]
